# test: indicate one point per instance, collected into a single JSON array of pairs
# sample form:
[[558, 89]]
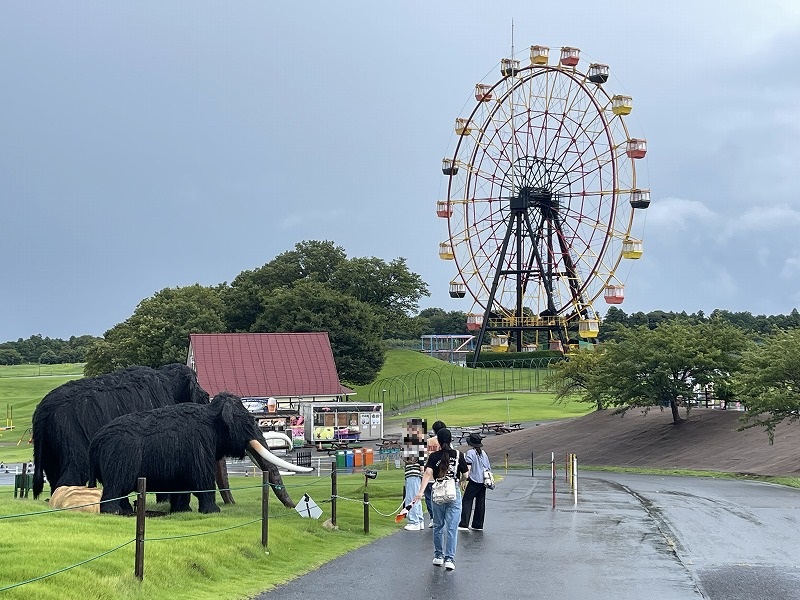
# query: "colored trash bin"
[[358, 458], [341, 461], [369, 456], [349, 458]]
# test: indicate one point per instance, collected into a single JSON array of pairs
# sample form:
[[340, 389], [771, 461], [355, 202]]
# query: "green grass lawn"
[[514, 407], [21, 389], [188, 555], [409, 378]]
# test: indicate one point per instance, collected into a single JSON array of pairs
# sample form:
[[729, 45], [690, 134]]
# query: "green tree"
[[102, 357], [437, 321], [769, 382], [9, 356], [647, 367], [158, 331], [354, 329], [310, 261], [572, 378], [48, 357], [390, 288]]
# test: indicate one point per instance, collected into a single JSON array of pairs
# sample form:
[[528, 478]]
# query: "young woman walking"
[[441, 464]]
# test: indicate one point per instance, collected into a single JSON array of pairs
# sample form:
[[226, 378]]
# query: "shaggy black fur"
[[176, 448], [67, 418]]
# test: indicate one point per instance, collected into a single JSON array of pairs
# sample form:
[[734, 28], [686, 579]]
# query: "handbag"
[[488, 479], [444, 490]]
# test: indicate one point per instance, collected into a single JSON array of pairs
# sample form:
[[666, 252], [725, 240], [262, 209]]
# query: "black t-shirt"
[[435, 459]]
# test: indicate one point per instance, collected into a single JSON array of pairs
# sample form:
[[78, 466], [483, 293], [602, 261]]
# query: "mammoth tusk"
[[277, 435], [278, 462]]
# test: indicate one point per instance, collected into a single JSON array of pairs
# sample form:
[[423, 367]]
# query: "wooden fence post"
[[140, 513]]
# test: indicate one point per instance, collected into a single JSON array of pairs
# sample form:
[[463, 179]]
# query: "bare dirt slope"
[[707, 439]]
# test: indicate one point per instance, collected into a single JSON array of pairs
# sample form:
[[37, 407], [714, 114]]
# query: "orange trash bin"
[[369, 456], [358, 458]]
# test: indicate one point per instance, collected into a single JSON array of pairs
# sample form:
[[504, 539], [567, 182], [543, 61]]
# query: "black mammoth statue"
[[175, 448], [67, 418]]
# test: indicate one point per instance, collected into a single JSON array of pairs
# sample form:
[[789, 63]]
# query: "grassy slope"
[[398, 363], [408, 378], [514, 407], [21, 390]]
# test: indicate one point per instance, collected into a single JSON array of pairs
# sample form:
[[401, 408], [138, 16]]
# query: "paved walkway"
[[629, 538]]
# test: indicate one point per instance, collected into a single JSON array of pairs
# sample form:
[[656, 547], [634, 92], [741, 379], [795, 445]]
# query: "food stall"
[[340, 421], [270, 418]]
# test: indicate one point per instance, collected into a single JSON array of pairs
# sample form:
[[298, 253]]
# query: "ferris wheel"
[[542, 191]]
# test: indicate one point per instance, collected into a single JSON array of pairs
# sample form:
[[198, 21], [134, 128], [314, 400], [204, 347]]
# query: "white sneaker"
[[463, 528], [438, 561], [430, 525], [414, 527], [449, 565]]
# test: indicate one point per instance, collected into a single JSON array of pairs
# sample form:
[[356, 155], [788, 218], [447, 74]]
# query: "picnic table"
[[508, 428], [491, 426], [389, 444], [465, 432], [332, 446], [500, 427]]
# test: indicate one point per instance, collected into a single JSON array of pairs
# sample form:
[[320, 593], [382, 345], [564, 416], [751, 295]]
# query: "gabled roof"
[[266, 364]]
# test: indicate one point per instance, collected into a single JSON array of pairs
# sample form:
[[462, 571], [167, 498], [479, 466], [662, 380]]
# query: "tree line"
[[362, 302], [46, 351], [671, 362]]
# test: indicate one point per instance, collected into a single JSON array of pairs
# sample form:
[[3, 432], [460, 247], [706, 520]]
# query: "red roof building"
[[261, 365]]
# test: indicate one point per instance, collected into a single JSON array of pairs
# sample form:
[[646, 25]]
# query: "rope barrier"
[[391, 514], [371, 504], [55, 510], [188, 535], [283, 514]]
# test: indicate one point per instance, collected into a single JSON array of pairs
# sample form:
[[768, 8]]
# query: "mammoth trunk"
[[266, 461], [275, 479]]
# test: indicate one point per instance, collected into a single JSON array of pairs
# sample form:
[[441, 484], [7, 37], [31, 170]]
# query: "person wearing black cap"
[[431, 447], [475, 490], [442, 464]]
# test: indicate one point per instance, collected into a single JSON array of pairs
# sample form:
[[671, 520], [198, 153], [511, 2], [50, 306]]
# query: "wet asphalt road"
[[631, 537]]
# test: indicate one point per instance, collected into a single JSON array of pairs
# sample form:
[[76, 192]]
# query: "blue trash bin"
[[349, 459]]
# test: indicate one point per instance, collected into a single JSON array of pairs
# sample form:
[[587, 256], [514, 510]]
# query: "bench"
[[333, 447], [465, 432], [508, 428], [491, 426]]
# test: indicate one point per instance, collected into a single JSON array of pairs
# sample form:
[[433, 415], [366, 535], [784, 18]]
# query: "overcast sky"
[[146, 145]]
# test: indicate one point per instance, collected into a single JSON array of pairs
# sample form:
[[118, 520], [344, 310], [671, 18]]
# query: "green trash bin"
[[23, 484], [341, 459]]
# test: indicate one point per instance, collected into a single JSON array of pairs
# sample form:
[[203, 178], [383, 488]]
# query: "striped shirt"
[[413, 470]]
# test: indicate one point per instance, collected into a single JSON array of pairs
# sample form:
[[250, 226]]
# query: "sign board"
[[307, 508]]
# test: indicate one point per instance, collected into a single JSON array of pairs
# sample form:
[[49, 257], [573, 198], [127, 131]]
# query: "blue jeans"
[[445, 528], [412, 487], [429, 499]]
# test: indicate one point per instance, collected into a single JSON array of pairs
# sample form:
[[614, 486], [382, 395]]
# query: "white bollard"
[[575, 477]]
